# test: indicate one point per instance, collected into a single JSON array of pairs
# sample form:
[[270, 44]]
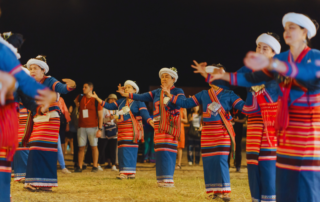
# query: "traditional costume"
[[42, 160], [261, 145], [298, 153], [130, 131], [9, 122], [167, 123], [217, 134]]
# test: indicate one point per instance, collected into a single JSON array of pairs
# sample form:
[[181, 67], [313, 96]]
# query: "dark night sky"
[[108, 42]]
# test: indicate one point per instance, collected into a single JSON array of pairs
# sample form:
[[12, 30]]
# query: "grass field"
[[103, 186]]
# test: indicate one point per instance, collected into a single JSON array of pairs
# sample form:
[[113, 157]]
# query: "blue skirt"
[[127, 160], [5, 179], [20, 163]]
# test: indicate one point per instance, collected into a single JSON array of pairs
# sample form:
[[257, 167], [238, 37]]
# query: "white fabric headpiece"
[[270, 41], [210, 69], [133, 84], [302, 21], [40, 63], [170, 71], [11, 47]]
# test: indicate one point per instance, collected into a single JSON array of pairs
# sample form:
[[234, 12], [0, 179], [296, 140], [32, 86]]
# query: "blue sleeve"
[[110, 106], [251, 78], [302, 72], [236, 101], [57, 86], [144, 112], [187, 103], [144, 97], [27, 102], [9, 63]]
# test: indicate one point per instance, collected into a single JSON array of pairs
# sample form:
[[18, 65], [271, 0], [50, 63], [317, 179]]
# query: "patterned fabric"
[[5, 176], [136, 126], [42, 160], [261, 159], [215, 148], [127, 149], [166, 153], [298, 158], [9, 125]]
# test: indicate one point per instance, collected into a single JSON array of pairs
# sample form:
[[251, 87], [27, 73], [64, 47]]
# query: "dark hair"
[[16, 40], [90, 84], [316, 24], [219, 65]]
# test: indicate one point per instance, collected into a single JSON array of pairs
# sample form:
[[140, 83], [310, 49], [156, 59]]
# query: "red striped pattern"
[[164, 142], [258, 148], [125, 135], [54, 85], [236, 102], [5, 166], [45, 135], [23, 116], [15, 70], [300, 149], [215, 139]]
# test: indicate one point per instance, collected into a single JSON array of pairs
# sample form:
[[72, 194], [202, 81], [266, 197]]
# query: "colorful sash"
[[283, 108], [137, 127], [27, 130], [268, 111], [169, 123], [9, 127], [223, 114]]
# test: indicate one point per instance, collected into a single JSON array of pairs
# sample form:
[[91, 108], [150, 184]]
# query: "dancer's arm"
[[145, 114]]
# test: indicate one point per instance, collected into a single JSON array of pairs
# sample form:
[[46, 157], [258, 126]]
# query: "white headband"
[[302, 21], [270, 41], [40, 63], [170, 72], [210, 69], [133, 84]]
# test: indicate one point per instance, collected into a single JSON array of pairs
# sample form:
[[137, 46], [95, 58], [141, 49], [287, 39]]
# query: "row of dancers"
[[283, 153]]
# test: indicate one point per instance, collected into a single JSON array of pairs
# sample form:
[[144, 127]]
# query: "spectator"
[[194, 135], [71, 131], [107, 143], [90, 125], [181, 142], [149, 154]]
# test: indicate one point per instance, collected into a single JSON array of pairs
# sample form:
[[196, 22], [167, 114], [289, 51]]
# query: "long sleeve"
[[27, 102], [9, 63], [144, 97], [144, 112], [303, 72], [59, 87], [184, 102], [251, 78], [111, 106], [236, 101]]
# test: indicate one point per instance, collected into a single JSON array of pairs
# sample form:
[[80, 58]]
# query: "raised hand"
[[45, 98], [200, 68], [256, 61], [218, 74], [121, 91], [7, 85], [71, 83], [166, 91], [94, 95]]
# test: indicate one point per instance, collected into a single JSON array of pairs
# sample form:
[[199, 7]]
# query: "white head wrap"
[[171, 71], [40, 63], [11, 47], [270, 41], [133, 84], [302, 21], [210, 69]]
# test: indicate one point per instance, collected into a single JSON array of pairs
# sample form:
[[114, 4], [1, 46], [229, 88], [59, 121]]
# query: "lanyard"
[[85, 105]]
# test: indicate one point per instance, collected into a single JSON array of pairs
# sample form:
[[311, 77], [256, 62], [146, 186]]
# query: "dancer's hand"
[[94, 95], [121, 91], [217, 75], [200, 68], [256, 61], [151, 123], [166, 91], [70, 83], [45, 98], [7, 85]]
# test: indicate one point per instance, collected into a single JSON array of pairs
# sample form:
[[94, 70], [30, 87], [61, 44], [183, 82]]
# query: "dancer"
[[297, 175], [130, 128], [261, 106], [217, 134], [42, 160], [167, 123]]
